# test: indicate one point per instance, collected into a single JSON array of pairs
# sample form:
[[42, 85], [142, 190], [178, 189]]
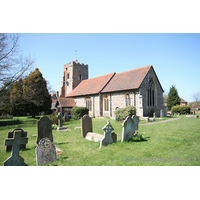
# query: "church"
[[104, 94]]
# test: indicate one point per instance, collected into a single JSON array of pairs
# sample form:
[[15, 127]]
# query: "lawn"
[[175, 143]]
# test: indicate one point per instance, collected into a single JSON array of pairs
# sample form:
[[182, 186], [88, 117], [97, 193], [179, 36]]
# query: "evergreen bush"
[[180, 109], [78, 112], [122, 113]]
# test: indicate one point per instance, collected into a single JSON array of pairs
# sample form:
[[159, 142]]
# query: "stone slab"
[[192, 116], [96, 137]]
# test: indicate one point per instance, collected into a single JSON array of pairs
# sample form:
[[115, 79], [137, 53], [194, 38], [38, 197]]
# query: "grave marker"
[[86, 125], [60, 123], [107, 139], [45, 152], [44, 129], [15, 159], [11, 134], [130, 125]]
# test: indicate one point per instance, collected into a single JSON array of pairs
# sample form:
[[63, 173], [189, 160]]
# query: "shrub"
[[122, 113], [78, 112], [180, 109], [54, 118]]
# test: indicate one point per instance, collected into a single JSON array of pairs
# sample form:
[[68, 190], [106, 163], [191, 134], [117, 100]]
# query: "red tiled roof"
[[54, 100], [127, 80], [66, 102], [91, 86]]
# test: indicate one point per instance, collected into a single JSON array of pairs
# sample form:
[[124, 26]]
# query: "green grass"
[[166, 143]]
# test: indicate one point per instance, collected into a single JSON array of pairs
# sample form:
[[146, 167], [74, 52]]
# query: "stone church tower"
[[74, 73]]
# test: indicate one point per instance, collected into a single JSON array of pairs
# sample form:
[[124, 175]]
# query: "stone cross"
[[45, 152], [130, 125], [44, 129], [15, 159], [60, 120], [86, 125], [10, 135], [107, 139]]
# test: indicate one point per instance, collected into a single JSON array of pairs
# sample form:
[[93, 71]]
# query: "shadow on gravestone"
[[86, 125], [44, 129], [15, 159], [107, 139], [11, 134], [45, 152]]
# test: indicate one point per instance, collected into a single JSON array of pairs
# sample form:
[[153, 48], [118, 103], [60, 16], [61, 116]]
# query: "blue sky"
[[174, 56]]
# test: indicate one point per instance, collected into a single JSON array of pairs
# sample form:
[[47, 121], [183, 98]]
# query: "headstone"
[[44, 129], [161, 113], [45, 152], [129, 128], [107, 139], [15, 159], [66, 116], [136, 122], [114, 137], [60, 124], [86, 125], [154, 115], [11, 134]]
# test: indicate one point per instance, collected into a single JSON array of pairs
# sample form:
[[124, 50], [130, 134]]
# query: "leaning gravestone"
[[130, 125], [107, 139], [45, 152], [11, 134], [44, 129], [15, 159], [86, 125]]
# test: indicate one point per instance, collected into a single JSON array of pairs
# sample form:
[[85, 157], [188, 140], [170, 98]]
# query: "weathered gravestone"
[[107, 139], [154, 115], [86, 125], [66, 116], [11, 134], [45, 152], [15, 159], [161, 113], [44, 129], [130, 125], [114, 137]]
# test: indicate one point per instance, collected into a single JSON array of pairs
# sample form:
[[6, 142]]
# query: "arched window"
[[128, 100], [88, 103], [151, 93], [106, 104]]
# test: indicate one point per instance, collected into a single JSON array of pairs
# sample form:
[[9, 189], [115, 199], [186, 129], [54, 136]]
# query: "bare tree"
[[196, 97], [12, 64]]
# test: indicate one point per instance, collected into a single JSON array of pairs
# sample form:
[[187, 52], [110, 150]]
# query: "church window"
[[128, 100], [106, 104], [89, 103], [80, 77], [151, 93], [67, 76]]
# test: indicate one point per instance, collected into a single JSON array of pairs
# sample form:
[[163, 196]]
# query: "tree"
[[12, 64], [173, 98], [35, 93], [16, 96], [196, 97]]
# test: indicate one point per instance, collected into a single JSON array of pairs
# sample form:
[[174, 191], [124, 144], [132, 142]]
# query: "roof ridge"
[[98, 76], [136, 69]]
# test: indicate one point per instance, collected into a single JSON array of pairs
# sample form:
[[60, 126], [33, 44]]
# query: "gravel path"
[[160, 121]]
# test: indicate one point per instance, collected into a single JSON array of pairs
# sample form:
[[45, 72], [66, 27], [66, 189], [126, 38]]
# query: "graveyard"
[[173, 143]]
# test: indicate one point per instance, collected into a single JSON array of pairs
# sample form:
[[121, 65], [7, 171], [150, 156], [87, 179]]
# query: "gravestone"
[[192, 116], [45, 152], [44, 129], [86, 125], [130, 125], [107, 139], [154, 115], [15, 159], [66, 116], [114, 137], [94, 137], [11, 134], [161, 113]]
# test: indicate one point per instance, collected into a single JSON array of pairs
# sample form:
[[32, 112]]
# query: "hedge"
[[180, 109], [122, 113], [78, 112]]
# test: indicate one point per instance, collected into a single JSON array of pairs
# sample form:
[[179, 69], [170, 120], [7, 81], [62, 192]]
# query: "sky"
[[174, 56]]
